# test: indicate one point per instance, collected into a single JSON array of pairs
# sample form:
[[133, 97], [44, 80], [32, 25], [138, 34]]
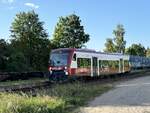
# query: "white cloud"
[[32, 5], [10, 3], [7, 1]]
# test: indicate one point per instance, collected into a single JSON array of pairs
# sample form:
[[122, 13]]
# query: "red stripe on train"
[[72, 71]]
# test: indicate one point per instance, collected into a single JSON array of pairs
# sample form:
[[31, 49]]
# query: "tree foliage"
[[110, 47], [136, 49], [119, 39], [69, 33], [30, 41], [117, 44], [148, 52], [3, 54]]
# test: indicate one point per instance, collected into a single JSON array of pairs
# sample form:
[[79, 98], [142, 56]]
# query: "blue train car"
[[137, 62]]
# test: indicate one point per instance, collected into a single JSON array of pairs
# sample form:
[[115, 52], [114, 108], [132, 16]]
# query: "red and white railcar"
[[68, 62]]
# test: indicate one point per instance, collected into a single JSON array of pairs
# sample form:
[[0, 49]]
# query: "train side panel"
[[92, 64], [138, 62]]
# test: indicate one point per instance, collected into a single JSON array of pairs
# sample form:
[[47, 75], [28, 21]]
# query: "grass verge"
[[62, 98]]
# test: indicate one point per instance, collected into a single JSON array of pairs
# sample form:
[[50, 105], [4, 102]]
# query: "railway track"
[[31, 86], [24, 87]]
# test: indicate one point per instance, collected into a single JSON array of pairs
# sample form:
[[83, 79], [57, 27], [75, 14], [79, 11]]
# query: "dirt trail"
[[132, 96]]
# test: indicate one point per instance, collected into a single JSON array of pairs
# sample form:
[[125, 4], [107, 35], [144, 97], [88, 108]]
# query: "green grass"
[[57, 99], [14, 103]]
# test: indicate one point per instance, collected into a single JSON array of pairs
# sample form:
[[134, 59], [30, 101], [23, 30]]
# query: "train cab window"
[[74, 57]]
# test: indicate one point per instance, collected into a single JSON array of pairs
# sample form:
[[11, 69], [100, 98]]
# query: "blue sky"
[[99, 17]]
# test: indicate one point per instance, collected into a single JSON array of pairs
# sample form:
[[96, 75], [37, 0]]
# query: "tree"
[[148, 52], [119, 39], [29, 39], [109, 45], [69, 33], [3, 54], [17, 62], [116, 44], [136, 49]]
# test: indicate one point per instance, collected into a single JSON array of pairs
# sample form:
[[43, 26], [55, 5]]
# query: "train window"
[[83, 62], [126, 63], [114, 64], [74, 57], [103, 63], [108, 63]]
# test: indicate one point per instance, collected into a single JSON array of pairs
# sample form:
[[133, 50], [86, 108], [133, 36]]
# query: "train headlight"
[[65, 67], [65, 70], [50, 72], [49, 68], [66, 73]]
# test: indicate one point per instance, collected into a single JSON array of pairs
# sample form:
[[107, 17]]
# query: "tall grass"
[[14, 103], [76, 94], [57, 99]]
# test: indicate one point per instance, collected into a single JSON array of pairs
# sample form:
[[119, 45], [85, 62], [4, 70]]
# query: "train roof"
[[97, 52], [86, 50]]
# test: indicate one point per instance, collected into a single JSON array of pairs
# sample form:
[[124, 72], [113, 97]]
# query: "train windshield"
[[59, 58]]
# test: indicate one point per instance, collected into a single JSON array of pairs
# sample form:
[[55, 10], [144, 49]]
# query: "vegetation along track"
[[13, 76], [26, 86]]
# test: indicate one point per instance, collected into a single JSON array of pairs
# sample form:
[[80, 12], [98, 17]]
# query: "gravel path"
[[128, 97]]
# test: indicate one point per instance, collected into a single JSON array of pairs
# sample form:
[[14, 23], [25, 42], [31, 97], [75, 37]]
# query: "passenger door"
[[121, 66], [94, 66]]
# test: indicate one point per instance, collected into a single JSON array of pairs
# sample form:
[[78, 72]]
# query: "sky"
[[99, 17]]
